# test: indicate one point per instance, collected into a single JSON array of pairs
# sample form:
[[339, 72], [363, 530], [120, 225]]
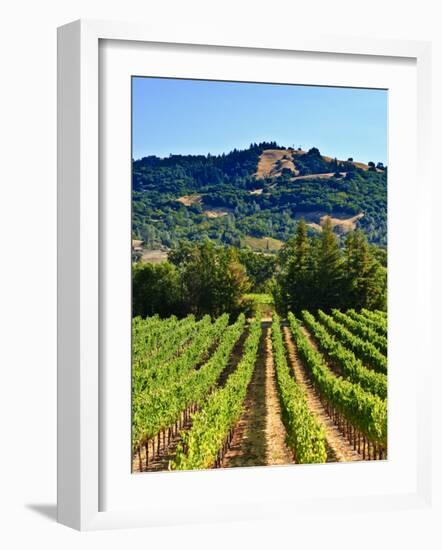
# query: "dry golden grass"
[[263, 243], [360, 165], [188, 200], [273, 161], [154, 256], [215, 213], [342, 225], [316, 176]]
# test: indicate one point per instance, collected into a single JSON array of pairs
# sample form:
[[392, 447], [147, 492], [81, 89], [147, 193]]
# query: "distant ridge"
[[256, 193]]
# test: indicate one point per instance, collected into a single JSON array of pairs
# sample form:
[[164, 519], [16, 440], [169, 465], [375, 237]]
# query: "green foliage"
[[376, 320], [315, 272], [313, 163], [329, 271], [345, 359], [225, 181], [297, 262], [152, 375], [366, 351], [201, 279], [159, 401], [155, 290], [219, 414], [305, 435], [365, 411], [259, 268], [213, 280], [362, 330], [155, 341], [366, 277], [260, 305]]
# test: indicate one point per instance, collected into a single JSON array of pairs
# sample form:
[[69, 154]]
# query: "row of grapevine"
[[157, 344], [378, 317], [375, 313], [151, 380], [365, 351], [361, 410], [147, 332], [155, 412], [378, 324], [306, 435], [345, 359], [205, 444], [361, 329]]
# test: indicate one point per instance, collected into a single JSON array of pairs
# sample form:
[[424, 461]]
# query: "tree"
[[299, 271], [366, 281], [155, 289], [213, 280], [260, 267], [329, 269], [314, 152], [181, 253]]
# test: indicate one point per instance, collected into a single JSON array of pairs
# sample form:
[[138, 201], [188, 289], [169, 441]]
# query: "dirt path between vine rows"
[[339, 449], [259, 436]]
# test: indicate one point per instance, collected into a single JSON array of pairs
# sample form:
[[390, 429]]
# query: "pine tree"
[[366, 282], [329, 270], [298, 279]]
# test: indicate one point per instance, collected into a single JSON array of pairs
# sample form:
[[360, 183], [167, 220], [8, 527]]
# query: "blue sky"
[[198, 117]]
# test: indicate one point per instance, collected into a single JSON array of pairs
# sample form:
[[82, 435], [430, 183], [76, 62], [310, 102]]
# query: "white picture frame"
[[81, 471]]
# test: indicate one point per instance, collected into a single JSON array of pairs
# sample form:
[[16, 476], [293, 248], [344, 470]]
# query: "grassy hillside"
[[254, 196]]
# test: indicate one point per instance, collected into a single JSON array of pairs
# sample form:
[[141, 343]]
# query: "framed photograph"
[[234, 248]]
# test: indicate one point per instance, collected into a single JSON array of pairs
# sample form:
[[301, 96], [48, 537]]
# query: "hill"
[[258, 193]]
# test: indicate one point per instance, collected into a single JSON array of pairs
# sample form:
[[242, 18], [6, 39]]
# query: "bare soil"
[[345, 224], [338, 448], [259, 436], [322, 176], [234, 359], [216, 213], [188, 200], [342, 225], [277, 450]]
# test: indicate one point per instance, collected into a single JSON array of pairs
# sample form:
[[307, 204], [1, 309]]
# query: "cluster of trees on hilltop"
[[225, 181], [196, 171], [310, 272]]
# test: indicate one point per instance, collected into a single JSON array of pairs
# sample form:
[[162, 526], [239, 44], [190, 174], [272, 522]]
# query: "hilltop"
[[255, 195]]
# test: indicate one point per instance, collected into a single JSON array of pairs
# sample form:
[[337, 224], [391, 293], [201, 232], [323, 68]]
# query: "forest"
[[222, 198], [309, 272]]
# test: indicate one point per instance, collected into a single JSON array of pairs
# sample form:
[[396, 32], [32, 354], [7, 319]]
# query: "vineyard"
[[219, 393]]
